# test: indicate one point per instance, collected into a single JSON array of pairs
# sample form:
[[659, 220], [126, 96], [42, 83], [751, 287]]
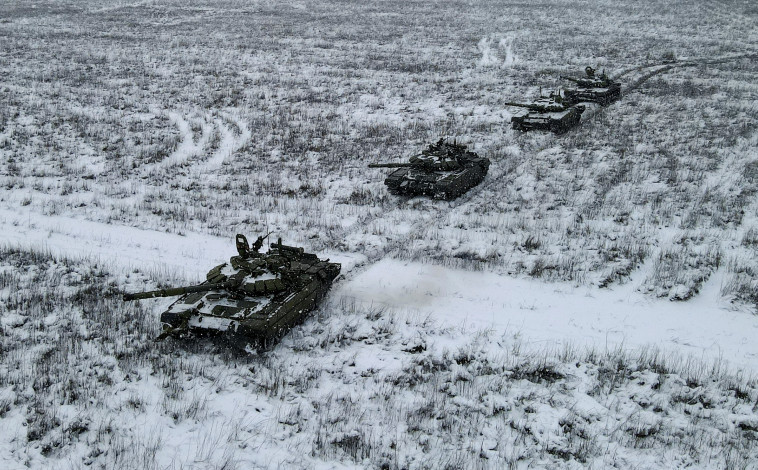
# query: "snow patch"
[[497, 52], [558, 314]]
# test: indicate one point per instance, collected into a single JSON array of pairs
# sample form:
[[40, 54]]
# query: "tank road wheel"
[[444, 195], [558, 128], [577, 121]]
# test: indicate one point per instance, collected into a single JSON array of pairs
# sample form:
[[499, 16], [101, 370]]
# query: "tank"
[[598, 89], [253, 299], [443, 171], [552, 113]]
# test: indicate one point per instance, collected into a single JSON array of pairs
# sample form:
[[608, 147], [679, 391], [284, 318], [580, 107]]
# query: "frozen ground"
[[434, 384], [591, 303], [554, 314], [481, 351], [559, 315]]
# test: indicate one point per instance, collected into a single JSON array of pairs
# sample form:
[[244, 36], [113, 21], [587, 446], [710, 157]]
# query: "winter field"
[[592, 304]]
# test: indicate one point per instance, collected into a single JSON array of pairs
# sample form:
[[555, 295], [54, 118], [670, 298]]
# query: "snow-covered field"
[[591, 304]]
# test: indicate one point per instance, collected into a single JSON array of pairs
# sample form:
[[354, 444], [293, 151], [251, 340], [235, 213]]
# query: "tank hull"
[[557, 123], [446, 185]]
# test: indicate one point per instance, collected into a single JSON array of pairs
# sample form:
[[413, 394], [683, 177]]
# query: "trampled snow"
[[555, 315], [543, 314], [136, 140]]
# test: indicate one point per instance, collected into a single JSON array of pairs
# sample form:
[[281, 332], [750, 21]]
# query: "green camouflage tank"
[[443, 171], [598, 89], [549, 113], [255, 297]]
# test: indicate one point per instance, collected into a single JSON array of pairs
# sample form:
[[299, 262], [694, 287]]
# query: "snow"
[[189, 256], [130, 152], [210, 323], [542, 313], [556, 315]]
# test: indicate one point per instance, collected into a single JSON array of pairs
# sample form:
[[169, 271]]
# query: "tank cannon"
[[235, 287], [424, 164], [390, 165], [174, 291], [540, 107]]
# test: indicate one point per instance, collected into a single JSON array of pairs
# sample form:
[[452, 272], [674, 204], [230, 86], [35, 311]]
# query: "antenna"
[[266, 219]]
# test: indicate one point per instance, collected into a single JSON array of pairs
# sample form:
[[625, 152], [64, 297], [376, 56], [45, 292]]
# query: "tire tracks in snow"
[[665, 67], [192, 146], [662, 67], [126, 248], [189, 146], [220, 136], [230, 142]]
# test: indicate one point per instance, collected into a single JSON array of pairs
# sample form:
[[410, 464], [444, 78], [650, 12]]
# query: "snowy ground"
[[559, 315], [556, 314], [590, 303], [360, 384]]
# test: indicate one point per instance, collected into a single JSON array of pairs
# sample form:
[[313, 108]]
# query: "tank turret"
[[591, 80], [582, 82]]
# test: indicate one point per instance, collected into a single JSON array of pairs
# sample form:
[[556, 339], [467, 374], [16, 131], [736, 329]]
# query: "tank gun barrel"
[[520, 105], [540, 108], [278, 245], [571, 79], [389, 165], [173, 291]]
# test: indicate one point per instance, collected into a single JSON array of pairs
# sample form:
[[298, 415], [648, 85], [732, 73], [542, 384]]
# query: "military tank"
[[598, 89], [253, 299], [443, 171], [549, 113]]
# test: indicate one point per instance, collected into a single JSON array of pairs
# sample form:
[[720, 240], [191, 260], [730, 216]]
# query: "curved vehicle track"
[[664, 67], [660, 68], [206, 141]]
